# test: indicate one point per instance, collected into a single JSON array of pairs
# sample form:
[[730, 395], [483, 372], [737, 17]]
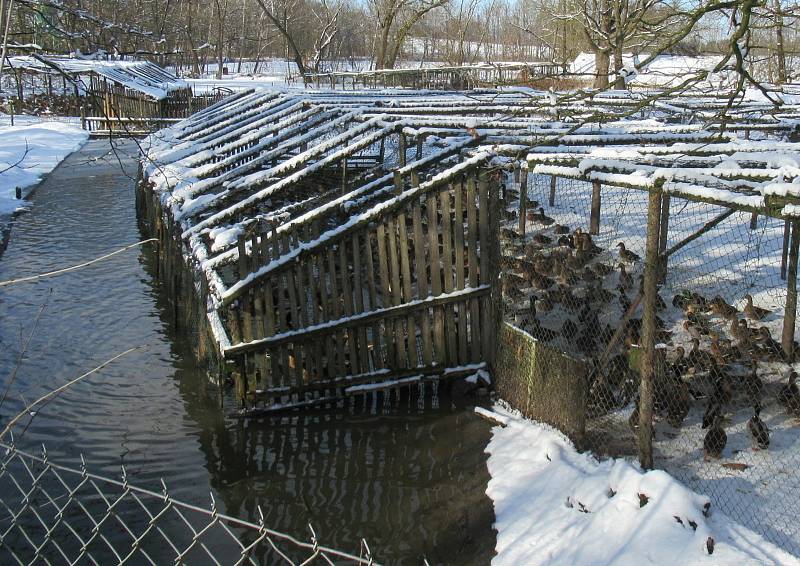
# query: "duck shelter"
[[613, 267], [132, 97]]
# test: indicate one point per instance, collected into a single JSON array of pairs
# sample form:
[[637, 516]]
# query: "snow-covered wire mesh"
[[55, 514], [578, 293]]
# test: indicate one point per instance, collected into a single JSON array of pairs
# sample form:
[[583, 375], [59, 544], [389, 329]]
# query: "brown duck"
[[715, 440], [626, 255], [752, 312]]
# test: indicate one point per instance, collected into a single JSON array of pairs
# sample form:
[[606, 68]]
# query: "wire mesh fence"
[[575, 284], [55, 514]]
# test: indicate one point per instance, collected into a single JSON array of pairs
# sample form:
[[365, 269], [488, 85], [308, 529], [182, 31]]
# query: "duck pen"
[[668, 272], [623, 280], [438, 78], [110, 96]]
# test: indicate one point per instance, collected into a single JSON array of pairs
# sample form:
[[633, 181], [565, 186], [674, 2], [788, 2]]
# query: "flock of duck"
[[562, 288]]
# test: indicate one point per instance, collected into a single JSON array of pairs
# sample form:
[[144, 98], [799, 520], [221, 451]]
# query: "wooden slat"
[[397, 297], [347, 291], [472, 258], [447, 272], [383, 265], [436, 277], [460, 283], [336, 309], [377, 349], [422, 283], [358, 290]]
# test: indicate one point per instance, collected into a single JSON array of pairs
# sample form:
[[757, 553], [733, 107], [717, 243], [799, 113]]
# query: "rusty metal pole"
[[648, 337], [790, 313]]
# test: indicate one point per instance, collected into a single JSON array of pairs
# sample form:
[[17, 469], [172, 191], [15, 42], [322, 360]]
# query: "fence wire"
[[55, 514], [718, 359]]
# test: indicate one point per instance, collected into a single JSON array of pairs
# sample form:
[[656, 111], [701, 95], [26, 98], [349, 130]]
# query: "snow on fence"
[[341, 243]]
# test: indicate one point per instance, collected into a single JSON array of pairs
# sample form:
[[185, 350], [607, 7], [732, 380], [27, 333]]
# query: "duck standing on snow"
[[752, 312], [627, 255], [759, 433], [715, 440], [789, 395]]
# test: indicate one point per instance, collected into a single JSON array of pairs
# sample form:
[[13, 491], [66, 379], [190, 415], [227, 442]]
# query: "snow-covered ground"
[[30, 149], [554, 505]]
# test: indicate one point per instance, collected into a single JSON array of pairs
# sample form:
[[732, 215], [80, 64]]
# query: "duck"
[[678, 404], [722, 309], [540, 217], [625, 278], [542, 240], [753, 387], [789, 394], [508, 234], [753, 312], [624, 301], [715, 439], [771, 348], [626, 255], [569, 329], [560, 229], [692, 330], [759, 433], [602, 269], [540, 332]]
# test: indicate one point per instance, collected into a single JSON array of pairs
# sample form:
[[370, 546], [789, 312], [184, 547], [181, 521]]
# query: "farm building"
[[107, 94]]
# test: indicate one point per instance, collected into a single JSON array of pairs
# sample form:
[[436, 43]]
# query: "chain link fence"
[[55, 514], [719, 361]]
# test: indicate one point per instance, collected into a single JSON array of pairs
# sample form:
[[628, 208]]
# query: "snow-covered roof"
[[251, 158], [141, 76]]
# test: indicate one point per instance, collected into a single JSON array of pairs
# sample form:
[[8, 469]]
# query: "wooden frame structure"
[[126, 96], [341, 243], [438, 78]]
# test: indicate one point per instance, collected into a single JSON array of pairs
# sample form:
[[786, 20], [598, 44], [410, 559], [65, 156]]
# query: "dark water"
[[408, 478]]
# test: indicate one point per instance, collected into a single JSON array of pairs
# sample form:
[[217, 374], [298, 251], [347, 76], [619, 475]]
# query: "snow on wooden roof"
[[141, 76], [761, 176], [314, 164]]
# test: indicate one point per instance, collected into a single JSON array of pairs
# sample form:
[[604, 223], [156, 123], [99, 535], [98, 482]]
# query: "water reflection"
[[409, 478]]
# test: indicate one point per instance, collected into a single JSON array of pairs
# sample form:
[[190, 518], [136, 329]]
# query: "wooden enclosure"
[[438, 78]]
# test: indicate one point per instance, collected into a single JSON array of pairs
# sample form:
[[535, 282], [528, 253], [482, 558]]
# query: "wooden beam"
[[594, 218], [322, 329], [647, 342], [790, 312]]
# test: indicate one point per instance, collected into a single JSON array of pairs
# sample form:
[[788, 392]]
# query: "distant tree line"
[[320, 35]]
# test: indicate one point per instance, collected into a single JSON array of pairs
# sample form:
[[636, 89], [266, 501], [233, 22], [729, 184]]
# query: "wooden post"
[[344, 175], [785, 252], [594, 218], [552, 200], [523, 199], [662, 238], [647, 342], [754, 221], [790, 313], [401, 149]]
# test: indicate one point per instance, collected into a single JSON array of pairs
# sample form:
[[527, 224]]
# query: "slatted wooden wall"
[[405, 292]]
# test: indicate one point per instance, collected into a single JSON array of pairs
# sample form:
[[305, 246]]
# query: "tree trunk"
[[780, 50], [601, 64], [619, 80]]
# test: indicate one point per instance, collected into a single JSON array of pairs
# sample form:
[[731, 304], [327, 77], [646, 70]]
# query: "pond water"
[[409, 478]]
